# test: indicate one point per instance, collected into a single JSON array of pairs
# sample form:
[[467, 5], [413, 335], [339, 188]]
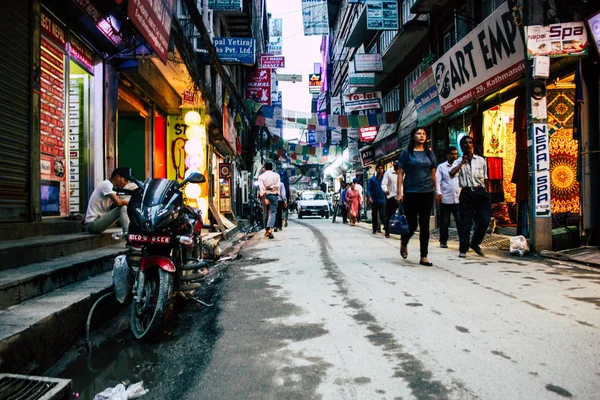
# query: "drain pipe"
[[89, 320]]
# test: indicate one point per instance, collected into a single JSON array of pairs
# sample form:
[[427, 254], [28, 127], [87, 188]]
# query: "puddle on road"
[[110, 364]]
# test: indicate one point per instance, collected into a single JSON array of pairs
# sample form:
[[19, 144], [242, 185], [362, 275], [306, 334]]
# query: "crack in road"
[[412, 370]]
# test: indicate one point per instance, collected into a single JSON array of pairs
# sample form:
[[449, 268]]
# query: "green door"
[[132, 144]]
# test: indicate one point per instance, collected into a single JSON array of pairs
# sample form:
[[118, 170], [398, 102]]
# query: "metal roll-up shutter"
[[15, 111]]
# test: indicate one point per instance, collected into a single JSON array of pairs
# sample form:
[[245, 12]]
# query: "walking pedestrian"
[[377, 199], [416, 184], [389, 184], [447, 194], [360, 190], [474, 200], [344, 187], [353, 199], [283, 176], [268, 183], [281, 205]]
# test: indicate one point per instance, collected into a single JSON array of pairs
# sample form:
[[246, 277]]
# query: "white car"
[[313, 203]]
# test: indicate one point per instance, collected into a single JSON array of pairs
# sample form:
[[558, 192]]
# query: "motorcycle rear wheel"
[[147, 316]]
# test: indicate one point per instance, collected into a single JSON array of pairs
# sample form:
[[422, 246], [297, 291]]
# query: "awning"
[[408, 121], [386, 130]]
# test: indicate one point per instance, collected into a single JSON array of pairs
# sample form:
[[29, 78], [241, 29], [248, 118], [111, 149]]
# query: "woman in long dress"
[[352, 203]]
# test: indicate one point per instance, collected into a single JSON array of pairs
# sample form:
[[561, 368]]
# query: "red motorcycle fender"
[[162, 262]]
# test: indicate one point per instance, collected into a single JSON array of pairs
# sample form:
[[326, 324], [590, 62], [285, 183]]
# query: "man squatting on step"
[[105, 208]]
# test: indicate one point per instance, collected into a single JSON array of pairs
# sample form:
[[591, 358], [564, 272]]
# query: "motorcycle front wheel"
[[148, 314]]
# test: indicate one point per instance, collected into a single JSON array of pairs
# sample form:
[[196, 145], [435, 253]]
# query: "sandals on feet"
[[403, 252], [426, 263]]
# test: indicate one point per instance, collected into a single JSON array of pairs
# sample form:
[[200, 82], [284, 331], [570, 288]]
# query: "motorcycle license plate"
[[149, 239]]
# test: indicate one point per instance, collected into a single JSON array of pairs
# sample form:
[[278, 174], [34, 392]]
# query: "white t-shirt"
[[100, 201]]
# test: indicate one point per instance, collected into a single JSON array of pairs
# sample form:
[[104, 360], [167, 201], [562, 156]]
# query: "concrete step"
[[35, 333], [27, 282], [48, 226], [15, 253]]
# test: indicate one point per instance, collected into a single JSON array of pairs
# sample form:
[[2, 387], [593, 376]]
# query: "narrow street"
[[329, 311]]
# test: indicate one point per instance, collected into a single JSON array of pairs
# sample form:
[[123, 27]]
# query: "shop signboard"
[[425, 93], [153, 20], [225, 5], [382, 14], [315, 17], [336, 105], [235, 50], [314, 83], [288, 78], [488, 58], [81, 52], [361, 80], [557, 40], [101, 22], [275, 47], [259, 85], [362, 101], [276, 27], [367, 156], [368, 62], [386, 146], [271, 61], [594, 23], [53, 29], [367, 134], [541, 167], [353, 154]]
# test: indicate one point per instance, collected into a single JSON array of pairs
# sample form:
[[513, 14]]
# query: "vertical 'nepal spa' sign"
[[489, 57]]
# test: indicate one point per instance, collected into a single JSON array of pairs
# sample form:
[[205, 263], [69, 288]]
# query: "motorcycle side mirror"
[[194, 177]]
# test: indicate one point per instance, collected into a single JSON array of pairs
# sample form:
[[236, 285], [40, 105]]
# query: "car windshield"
[[313, 196]]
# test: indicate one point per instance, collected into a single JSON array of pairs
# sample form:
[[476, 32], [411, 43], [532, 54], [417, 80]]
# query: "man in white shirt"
[[389, 184], [447, 192], [105, 207], [268, 182], [475, 204]]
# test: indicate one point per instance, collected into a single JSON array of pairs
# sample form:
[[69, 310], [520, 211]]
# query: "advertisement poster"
[[361, 80], [235, 50], [362, 101], [275, 46], [382, 15], [488, 58], [153, 20], [314, 83], [367, 134], [258, 86], [425, 93], [557, 40], [275, 27], [315, 17], [594, 24], [368, 62]]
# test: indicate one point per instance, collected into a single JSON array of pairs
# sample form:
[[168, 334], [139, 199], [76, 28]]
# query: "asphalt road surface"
[[329, 311]]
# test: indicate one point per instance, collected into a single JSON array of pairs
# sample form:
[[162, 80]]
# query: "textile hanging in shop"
[[494, 133], [494, 168], [563, 151]]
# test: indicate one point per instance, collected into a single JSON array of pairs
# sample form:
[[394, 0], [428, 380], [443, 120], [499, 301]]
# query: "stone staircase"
[[48, 283]]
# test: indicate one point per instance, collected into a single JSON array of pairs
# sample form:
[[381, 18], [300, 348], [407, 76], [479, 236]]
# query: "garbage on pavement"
[[120, 392], [519, 245]]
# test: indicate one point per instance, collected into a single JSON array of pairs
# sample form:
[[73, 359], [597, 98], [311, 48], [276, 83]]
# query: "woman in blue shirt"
[[416, 188]]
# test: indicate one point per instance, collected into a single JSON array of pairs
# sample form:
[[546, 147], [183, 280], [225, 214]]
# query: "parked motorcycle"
[[166, 238]]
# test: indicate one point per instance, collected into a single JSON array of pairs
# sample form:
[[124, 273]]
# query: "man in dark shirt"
[[377, 198]]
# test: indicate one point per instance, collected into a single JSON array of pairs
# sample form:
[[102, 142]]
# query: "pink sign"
[[81, 52], [153, 20], [368, 133], [101, 23], [53, 29], [269, 61], [258, 85]]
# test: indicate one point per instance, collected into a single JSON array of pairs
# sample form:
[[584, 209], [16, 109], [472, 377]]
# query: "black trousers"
[[279, 215], [344, 213], [391, 205], [445, 211], [475, 206], [417, 207], [377, 216]]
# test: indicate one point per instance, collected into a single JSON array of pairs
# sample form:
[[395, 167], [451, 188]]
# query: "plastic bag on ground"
[[519, 245], [121, 277], [119, 392]]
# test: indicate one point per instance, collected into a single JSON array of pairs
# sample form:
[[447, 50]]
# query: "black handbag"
[[398, 222]]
